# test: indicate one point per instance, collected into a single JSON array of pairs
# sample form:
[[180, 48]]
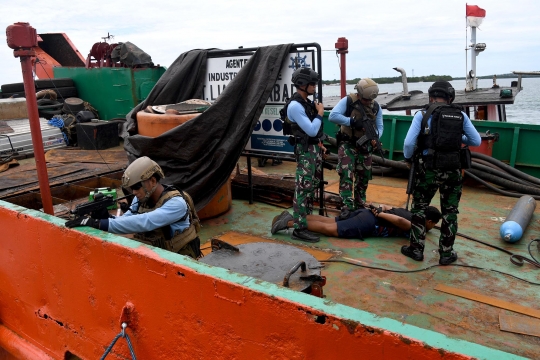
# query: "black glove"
[[356, 124], [83, 221], [124, 206]]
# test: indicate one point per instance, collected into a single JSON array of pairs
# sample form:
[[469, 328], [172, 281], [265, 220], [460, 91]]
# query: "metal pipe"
[[473, 57], [406, 95], [22, 37], [342, 46]]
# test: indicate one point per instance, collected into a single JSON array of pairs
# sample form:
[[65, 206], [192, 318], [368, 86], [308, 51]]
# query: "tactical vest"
[[357, 110], [444, 136], [290, 128], [161, 237]]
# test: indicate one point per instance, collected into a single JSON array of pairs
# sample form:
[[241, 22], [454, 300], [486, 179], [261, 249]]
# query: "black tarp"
[[199, 155]]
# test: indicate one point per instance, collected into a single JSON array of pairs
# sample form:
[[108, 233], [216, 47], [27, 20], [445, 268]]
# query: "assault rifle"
[[410, 184], [97, 208], [370, 134]]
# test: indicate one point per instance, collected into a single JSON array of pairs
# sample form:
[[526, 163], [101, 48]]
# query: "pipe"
[[342, 46], [19, 347], [506, 183], [23, 38], [518, 219], [406, 95], [506, 167], [502, 174], [496, 189]]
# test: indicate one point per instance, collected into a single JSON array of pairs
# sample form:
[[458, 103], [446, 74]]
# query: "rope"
[[59, 123], [124, 335]]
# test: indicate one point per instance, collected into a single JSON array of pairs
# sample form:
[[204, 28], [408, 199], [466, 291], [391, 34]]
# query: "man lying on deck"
[[384, 221]]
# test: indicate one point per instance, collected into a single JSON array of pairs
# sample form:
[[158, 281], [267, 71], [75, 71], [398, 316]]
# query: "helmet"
[[304, 76], [141, 169], [442, 89], [367, 89]]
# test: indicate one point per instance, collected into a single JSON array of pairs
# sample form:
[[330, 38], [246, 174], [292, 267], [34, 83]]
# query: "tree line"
[[391, 80]]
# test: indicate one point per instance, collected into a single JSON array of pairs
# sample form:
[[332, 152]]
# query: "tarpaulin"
[[199, 155]]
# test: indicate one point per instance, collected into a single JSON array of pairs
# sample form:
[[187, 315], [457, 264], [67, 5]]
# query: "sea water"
[[525, 110]]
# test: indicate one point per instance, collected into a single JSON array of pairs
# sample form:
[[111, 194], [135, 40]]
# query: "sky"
[[423, 37]]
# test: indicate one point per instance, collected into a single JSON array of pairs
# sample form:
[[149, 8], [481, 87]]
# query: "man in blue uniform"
[[433, 143], [353, 113], [159, 215], [305, 120]]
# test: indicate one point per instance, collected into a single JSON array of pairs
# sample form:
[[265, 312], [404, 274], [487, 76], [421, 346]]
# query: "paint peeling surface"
[[65, 291]]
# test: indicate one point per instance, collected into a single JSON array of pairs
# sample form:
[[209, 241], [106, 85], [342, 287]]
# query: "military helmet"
[[367, 89], [141, 169], [304, 76], [442, 89]]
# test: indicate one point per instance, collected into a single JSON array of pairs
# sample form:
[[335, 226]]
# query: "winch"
[[281, 264]]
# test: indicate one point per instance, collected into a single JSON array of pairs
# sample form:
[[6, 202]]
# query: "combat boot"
[[280, 222], [446, 258], [413, 253], [305, 235]]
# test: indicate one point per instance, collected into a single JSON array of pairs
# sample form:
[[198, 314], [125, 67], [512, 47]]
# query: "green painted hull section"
[[113, 92]]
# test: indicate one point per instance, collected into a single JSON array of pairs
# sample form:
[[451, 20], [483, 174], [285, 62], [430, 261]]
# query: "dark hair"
[[433, 214], [156, 176]]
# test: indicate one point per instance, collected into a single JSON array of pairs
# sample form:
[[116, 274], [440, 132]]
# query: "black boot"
[[447, 257], [304, 235], [413, 253]]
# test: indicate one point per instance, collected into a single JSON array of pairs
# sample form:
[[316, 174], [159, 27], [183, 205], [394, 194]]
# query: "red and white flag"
[[475, 15]]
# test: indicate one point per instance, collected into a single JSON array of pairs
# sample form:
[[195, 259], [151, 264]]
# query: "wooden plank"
[[86, 156], [519, 324], [489, 300]]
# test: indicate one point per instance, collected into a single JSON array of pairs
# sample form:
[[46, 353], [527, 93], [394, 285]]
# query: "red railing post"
[[22, 38], [342, 46]]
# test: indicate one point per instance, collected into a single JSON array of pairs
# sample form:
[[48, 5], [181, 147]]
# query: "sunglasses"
[[136, 186]]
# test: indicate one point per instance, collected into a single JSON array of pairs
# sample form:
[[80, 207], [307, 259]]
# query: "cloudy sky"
[[422, 36]]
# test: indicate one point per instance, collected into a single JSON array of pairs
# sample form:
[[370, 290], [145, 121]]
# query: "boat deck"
[[404, 290]]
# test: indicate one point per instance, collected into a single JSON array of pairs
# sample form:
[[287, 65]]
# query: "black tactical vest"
[[444, 136], [290, 128]]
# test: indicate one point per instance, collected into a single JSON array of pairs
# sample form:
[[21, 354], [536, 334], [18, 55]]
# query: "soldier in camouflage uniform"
[[352, 113], [305, 118], [437, 169]]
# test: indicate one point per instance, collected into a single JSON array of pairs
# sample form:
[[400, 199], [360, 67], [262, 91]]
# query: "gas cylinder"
[[516, 222]]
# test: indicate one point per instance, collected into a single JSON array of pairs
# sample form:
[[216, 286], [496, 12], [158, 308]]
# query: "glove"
[[124, 206], [356, 124], [83, 221]]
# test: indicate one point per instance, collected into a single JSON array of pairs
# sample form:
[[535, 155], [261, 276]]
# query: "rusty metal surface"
[[411, 297], [23, 179], [519, 324], [86, 156], [267, 261]]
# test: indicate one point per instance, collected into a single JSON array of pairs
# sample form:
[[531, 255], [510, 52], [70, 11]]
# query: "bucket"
[[153, 125], [486, 147]]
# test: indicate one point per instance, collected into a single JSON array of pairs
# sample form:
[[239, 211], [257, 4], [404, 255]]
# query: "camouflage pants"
[[308, 173], [350, 178], [427, 182]]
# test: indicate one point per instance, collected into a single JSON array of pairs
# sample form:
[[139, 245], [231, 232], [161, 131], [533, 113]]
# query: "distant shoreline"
[[430, 78]]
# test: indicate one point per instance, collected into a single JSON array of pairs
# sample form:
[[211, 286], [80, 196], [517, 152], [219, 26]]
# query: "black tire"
[[40, 85], [13, 88], [66, 92], [52, 83], [63, 93]]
